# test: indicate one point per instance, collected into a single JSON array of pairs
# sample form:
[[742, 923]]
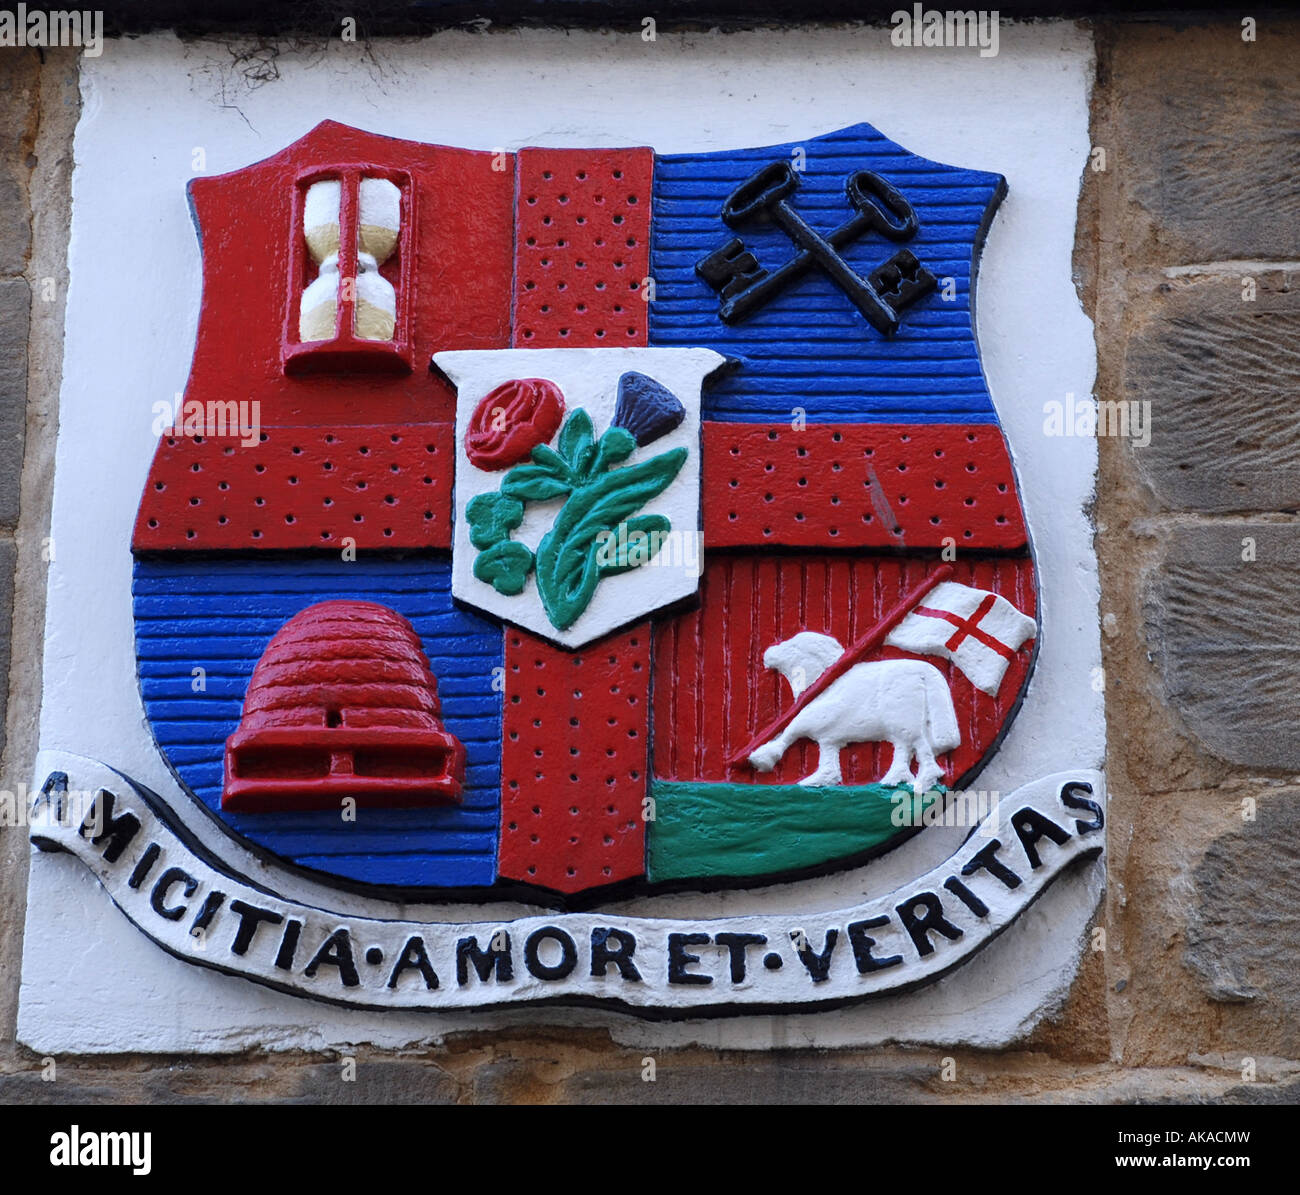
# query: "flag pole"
[[867, 643]]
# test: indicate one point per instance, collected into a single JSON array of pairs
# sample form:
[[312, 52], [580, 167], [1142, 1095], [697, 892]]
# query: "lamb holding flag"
[[840, 700]]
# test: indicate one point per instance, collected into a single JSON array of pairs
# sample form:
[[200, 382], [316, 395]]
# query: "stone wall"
[[39, 106], [1189, 256], [1186, 256]]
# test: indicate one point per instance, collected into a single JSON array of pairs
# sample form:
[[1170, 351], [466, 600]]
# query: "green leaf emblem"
[[599, 513]]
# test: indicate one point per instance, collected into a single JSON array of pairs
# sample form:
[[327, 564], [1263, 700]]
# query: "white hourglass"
[[378, 225]]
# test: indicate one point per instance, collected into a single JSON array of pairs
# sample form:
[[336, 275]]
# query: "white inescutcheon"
[[646, 554]]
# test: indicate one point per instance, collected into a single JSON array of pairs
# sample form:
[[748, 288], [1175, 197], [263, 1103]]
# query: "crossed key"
[[744, 286]]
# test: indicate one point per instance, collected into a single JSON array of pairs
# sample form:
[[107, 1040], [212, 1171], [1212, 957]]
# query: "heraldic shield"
[[567, 523]]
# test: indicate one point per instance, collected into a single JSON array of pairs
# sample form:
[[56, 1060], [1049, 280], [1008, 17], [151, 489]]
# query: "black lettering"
[[620, 953], [145, 866], [54, 793], [469, 953], [207, 911], [819, 965], [736, 944], [414, 956], [679, 959], [116, 831], [250, 921], [335, 951], [169, 878], [932, 920], [1070, 801], [1030, 827], [863, 945], [532, 954], [966, 896], [987, 860], [52, 797], [288, 945]]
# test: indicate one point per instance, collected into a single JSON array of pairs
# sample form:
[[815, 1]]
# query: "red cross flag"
[[977, 630]]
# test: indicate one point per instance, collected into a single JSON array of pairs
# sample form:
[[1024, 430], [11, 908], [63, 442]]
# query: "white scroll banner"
[[176, 893]]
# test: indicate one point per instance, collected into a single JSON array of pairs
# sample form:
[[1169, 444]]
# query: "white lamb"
[[905, 703]]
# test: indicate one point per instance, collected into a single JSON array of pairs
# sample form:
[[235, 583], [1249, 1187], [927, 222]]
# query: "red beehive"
[[342, 704]]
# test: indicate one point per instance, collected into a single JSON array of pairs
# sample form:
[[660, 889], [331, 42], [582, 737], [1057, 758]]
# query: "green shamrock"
[[491, 518], [504, 566]]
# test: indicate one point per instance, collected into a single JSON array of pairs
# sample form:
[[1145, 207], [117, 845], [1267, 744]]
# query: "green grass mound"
[[702, 830]]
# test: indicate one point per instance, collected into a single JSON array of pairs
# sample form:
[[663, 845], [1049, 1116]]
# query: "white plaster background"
[[91, 982]]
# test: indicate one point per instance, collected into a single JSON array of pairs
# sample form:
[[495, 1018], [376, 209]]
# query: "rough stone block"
[[1264, 1093], [376, 1081], [19, 93], [15, 310], [1221, 619], [1203, 137], [770, 1080], [28, 1088], [1219, 372], [1246, 919]]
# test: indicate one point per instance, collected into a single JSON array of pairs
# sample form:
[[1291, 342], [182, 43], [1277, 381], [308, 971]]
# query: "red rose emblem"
[[510, 421]]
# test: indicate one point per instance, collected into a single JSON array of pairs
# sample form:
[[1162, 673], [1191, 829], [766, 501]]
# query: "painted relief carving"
[[904, 703], [341, 704], [584, 558], [597, 515], [378, 221], [745, 287]]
